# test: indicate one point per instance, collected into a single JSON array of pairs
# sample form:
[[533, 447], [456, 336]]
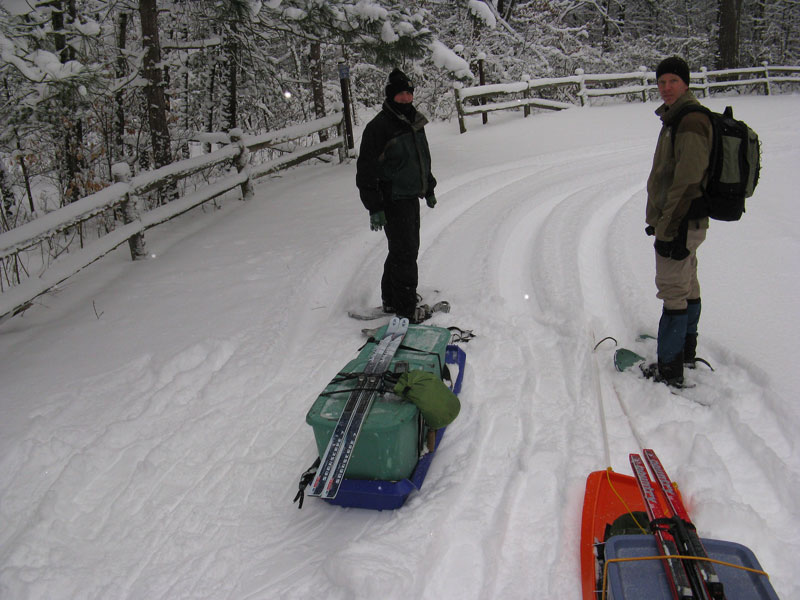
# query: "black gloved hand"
[[650, 230], [671, 249], [679, 252], [663, 248], [377, 220]]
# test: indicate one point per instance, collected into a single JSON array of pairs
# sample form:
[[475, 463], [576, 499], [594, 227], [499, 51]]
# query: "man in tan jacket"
[[677, 178]]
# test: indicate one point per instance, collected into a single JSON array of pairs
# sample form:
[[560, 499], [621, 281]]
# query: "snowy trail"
[[163, 466]]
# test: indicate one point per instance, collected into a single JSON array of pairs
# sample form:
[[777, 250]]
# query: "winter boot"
[[421, 313], [670, 373], [671, 339], [692, 319], [690, 351], [671, 334]]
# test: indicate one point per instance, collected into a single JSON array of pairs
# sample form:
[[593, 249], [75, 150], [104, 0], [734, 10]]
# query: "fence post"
[[241, 162], [582, 87], [482, 81], [344, 80], [526, 110], [767, 87], [704, 79], [645, 84], [121, 173], [460, 110]]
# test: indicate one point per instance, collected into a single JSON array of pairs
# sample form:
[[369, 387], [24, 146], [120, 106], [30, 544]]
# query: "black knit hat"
[[398, 82], [674, 65]]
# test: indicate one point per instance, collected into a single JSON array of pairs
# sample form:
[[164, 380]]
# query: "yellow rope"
[[609, 470], [638, 558]]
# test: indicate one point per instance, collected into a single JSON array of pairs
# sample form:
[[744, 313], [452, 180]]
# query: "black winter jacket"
[[394, 159]]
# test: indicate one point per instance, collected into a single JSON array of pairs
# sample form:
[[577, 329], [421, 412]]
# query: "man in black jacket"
[[392, 173]]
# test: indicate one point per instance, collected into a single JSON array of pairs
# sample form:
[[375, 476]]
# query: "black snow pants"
[[400, 277]]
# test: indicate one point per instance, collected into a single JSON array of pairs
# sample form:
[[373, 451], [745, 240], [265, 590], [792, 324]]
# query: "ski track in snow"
[[172, 475]]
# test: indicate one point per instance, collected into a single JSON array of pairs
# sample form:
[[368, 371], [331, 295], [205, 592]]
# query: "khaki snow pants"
[[676, 280]]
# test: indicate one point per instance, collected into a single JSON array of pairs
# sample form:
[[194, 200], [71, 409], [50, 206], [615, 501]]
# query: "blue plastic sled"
[[646, 579], [388, 495]]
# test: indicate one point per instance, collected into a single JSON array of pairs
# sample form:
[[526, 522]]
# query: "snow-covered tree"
[[87, 83], [50, 75]]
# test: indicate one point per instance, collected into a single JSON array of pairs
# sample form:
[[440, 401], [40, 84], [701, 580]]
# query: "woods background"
[[89, 83]]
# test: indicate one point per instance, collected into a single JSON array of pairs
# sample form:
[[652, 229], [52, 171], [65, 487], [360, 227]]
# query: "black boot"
[[670, 372], [690, 350], [693, 308]]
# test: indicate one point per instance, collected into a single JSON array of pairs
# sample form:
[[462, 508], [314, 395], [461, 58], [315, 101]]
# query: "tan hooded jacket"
[[679, 170]]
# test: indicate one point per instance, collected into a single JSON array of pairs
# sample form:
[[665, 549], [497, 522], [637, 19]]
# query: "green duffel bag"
[[437, 403]]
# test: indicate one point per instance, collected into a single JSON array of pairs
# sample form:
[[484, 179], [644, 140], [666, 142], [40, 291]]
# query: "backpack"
[[733, 168]]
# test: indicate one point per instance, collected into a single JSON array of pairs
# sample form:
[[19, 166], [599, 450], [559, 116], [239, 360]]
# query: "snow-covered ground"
[[153, 413]]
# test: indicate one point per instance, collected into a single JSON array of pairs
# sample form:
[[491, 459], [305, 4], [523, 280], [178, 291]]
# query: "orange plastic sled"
[[608, 495]]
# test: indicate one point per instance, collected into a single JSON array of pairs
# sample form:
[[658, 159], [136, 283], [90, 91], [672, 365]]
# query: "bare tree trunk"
[[231, 107], [606, 26], [21, 157], [212, 91], [186, 98], [7, 193], [70, 129], [728, 49], [506, 14], [759, 23], [25, 175], [317, 91], [119, 98], [154, 90]]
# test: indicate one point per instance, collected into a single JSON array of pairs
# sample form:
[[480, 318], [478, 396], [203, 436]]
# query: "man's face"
[[671, 87], [404, 97]]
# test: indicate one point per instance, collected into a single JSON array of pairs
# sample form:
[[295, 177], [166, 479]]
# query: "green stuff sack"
[[437, 403]]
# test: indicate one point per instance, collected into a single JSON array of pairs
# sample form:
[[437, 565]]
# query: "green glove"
[[431, 200], [377, 220]]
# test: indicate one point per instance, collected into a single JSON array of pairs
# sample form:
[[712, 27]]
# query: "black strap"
[[685, 110], [704, 361], [305, 479]]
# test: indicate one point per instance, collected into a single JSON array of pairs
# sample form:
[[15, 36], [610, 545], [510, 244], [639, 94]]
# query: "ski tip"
[[624, 359]]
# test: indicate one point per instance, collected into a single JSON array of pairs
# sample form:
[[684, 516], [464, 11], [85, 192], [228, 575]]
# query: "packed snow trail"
[[151, 442]]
